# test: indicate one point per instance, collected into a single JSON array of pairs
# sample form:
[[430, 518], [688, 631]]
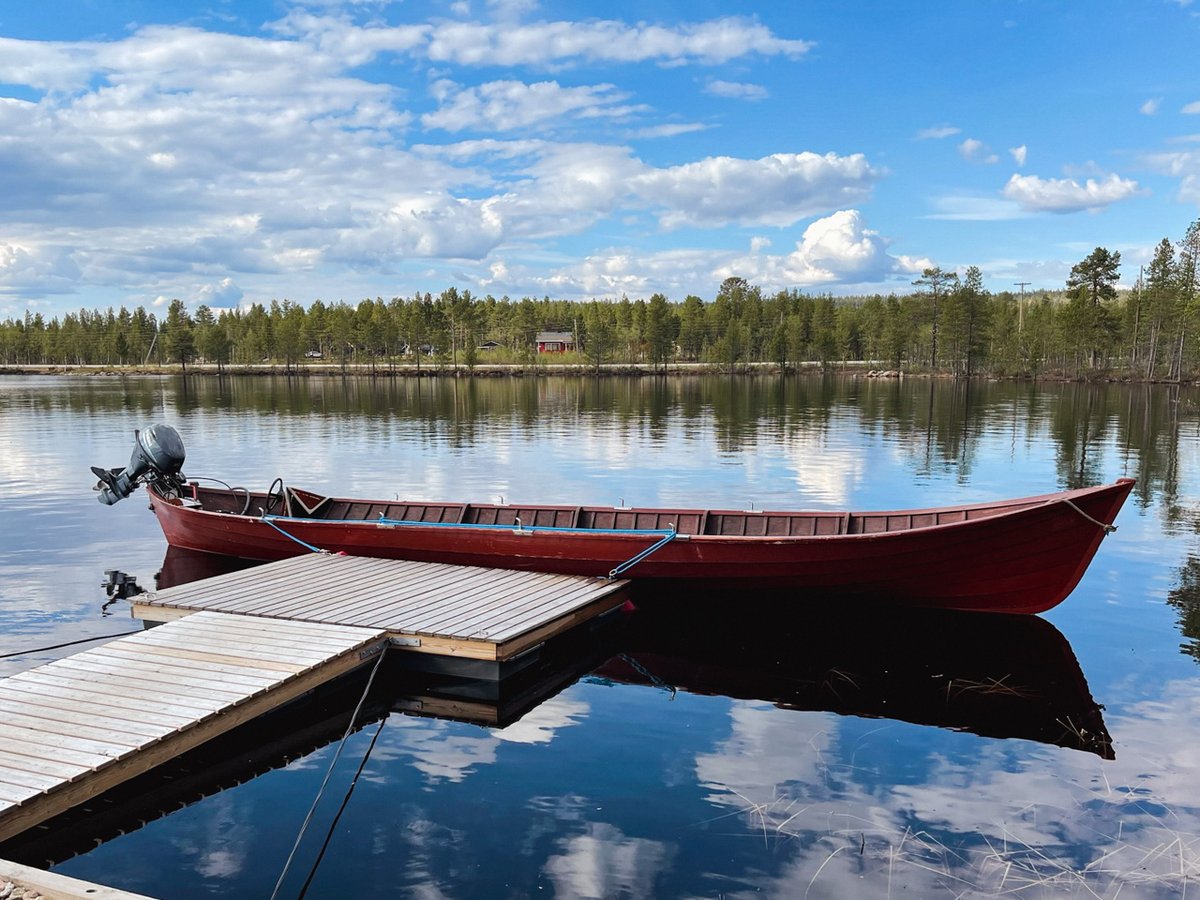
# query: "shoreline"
[[862, 369], [408, 370]]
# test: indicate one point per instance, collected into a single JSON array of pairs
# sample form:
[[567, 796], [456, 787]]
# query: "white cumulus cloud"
[[738, 90], [1019, 154], [834, 249], [937, 132], [1151, 106], [835, 252], [671, 129], [509, 105], [35, 270], [775, 190], [977, 151], [1184, 165], [546, 43], [1066, 195], [174, 161], [223, 294]]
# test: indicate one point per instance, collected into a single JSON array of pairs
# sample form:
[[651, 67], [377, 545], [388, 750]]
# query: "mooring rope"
[[638, 557], [98, 637], [305, 544], [341, 809], [666, 534], [329, 772], [1108, 529]]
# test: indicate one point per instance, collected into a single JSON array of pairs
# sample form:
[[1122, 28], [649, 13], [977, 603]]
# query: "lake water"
[[715, 751]]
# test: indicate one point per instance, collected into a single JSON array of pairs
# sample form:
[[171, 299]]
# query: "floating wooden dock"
[[80, 725], [52, 886], [431, 608], [237, 645]]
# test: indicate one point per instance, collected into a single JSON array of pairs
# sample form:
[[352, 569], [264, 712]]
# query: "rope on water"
[[638, 557], [99, 637], [329, 772], [267, 518], [1108, 529]]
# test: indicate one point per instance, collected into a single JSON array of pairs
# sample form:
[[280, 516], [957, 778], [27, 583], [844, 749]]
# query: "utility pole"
[[1021, 305], [1137, 317]]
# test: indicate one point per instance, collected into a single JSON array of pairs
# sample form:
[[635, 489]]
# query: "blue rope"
[[291, 536], [634, 560], [668, 534]]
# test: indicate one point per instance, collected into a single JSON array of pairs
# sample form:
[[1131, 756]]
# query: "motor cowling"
[[157, 456]]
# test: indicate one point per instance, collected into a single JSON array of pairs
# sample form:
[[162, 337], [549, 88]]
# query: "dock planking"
[[237, 645], [450, 610], [80, 725]]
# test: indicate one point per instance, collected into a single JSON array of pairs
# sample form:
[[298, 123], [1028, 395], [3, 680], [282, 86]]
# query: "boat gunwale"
[[1020, 505]]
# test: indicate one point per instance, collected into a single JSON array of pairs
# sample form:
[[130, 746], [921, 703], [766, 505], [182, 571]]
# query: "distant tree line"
[[949, 322]]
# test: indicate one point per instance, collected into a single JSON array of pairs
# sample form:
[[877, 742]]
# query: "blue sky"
[[226, 153]]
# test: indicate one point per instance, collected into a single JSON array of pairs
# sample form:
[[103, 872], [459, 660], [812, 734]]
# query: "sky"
[[235, 152]]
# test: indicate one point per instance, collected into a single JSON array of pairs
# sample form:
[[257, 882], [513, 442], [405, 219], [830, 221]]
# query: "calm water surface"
[[696, 753]]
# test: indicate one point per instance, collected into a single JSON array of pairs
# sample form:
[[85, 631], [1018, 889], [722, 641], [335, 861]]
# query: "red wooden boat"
[[1016, 556]]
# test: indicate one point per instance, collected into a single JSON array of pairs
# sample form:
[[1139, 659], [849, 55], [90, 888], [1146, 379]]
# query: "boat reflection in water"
[[993, 675]]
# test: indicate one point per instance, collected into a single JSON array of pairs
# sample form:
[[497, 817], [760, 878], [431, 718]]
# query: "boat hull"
[[1023, 556]]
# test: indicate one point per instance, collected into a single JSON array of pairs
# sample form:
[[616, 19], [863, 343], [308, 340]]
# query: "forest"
[[948, 323]]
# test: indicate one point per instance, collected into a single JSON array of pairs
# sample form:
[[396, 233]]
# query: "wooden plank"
[[357, 588], [316, 642], [17, 735], [245, 653], [52, 886], [502, 593], [401, 612], [31, 780], [272, 642], [181, 694], [54, 696], [519, 644], [223, 680], [15, 821], [13, 762], [464, 607], [303, 636], [78, 720], [12, 794], [265, 591], [466, 622], [459, 647], [224, 653], [560, 595], [42, 739], [455, 592], [235, 663], [517, 616], [61, 754], [118, 736], [150, 612]]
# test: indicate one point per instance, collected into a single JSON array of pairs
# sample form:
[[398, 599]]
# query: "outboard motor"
[[157, 458]]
